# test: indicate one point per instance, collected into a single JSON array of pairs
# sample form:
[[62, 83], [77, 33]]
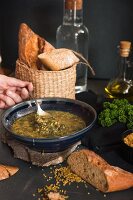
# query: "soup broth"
[[59, 124]]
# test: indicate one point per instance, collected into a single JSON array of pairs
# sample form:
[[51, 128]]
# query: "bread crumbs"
[[60, 177]]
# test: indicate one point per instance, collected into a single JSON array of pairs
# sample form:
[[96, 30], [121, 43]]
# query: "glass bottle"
[[73, 34], [121, 86]]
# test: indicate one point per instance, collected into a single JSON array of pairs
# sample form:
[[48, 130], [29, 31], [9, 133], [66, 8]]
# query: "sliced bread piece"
[[7, 171], [96, 171], [58, 59]]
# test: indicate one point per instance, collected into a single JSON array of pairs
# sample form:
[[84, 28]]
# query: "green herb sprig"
[[119, 110]]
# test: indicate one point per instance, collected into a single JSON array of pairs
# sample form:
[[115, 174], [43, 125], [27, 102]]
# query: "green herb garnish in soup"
[[59, 124]]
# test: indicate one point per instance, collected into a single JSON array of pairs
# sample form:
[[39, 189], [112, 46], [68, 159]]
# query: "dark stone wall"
[[108, 21]]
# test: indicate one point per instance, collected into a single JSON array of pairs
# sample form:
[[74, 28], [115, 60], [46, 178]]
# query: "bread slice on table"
[[58, 59], [54, 196], [7, 171], [96, 171], [30, 45]]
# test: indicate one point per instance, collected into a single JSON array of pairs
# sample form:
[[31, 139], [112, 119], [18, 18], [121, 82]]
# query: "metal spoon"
[[40, 112]]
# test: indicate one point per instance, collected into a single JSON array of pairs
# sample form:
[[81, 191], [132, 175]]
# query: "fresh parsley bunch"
[[119, 110]]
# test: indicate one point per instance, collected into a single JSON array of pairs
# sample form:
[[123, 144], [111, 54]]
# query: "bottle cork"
[[125, 47], [73, 4]]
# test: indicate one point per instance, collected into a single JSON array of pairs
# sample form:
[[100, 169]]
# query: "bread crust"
[[3, 173], [30, 45], [117, 178], [7, 171]]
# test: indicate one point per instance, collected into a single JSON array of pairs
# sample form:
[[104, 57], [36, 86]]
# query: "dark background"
[[108, 21]]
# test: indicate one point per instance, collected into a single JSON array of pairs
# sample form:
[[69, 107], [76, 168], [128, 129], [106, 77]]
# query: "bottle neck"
[[73, 14], [123, 65]]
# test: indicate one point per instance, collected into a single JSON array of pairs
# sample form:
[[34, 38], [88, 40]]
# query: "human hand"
[[13, 91]]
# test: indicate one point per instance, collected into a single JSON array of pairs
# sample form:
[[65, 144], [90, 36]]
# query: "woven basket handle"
[[85, 61]]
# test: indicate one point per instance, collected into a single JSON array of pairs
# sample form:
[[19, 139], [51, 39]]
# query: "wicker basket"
[[49, 83]]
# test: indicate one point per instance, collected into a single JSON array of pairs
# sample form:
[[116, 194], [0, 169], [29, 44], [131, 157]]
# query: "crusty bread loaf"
[[30, 45], [7, 171], [58, 59], [96, 171]]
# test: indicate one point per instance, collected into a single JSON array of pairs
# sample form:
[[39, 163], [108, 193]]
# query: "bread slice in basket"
[[58, 59], [30, 46], [96, 171]]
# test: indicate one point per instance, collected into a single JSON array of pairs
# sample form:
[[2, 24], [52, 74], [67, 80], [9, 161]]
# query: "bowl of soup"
[[68, 123]]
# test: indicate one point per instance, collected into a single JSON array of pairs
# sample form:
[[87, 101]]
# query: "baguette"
[[7, 171], [97, 172], [30, 45], [58, 59]]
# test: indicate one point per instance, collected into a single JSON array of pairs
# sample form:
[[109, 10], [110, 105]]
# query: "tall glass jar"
[[73, 34]]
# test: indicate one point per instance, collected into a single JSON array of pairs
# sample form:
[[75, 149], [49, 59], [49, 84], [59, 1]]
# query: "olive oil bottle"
[[121, 86]]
